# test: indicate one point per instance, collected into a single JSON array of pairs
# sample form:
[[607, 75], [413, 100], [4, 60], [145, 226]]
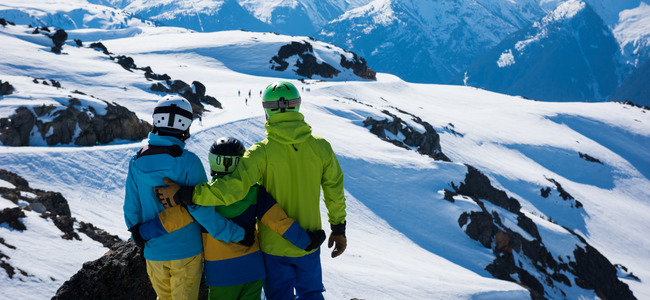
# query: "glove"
[[136, 236], [317, 238], [249, 236], [173, 194], [337, 237]]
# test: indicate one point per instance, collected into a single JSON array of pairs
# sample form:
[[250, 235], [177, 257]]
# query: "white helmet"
[[173, 116]]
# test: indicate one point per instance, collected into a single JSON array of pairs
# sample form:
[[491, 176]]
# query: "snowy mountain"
[[453, 192], [570, 55], [302, 17], [427, 41], [418, 40]]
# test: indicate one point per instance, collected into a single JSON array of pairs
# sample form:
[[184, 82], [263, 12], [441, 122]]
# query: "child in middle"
[[234, 270]]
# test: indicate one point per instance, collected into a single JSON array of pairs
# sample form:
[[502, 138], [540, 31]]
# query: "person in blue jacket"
[[234, 271], [174, 261]]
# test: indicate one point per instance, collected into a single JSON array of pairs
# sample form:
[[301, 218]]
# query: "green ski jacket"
[[293, 165]]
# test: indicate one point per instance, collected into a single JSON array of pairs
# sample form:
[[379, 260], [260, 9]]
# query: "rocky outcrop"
[[15, 131], [541, 272], [58, 38], [427, 142], [50, 205], [358, 66], [80, 125], [119, 274], [195, 94], [6, 88], [307, 64]]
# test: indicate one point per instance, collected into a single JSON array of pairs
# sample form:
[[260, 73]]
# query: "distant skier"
[[174, 261], [293, 165]]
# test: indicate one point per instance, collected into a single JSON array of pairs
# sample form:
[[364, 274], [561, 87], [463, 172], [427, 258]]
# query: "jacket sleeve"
[[132, 207], [272, 215], [233, 187], [218, 226], [332, 184], [168, 220]]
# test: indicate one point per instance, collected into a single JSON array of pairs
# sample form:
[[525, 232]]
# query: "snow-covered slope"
[[405, 239]]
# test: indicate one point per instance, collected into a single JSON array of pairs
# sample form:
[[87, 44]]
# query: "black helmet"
[[224, 155]]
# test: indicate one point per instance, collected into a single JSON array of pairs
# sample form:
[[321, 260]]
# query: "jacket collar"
[[287, 128]]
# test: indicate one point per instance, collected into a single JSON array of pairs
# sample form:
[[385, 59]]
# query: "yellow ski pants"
[[176, 279]]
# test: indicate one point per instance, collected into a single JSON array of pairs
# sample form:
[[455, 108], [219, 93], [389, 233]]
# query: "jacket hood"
[[151, 169], [287, 128]]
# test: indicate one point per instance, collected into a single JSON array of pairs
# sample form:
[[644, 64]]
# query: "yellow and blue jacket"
[[230, 263]]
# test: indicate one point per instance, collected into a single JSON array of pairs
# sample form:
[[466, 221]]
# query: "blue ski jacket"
[[140, 204]]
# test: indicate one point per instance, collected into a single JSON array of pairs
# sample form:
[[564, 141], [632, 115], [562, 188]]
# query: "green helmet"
[[224, 155], [279, 97]]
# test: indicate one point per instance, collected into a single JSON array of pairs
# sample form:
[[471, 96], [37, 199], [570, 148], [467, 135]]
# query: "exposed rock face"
[[74, 123], [6, 88], [589, 269], [359, 67], [58, 38], [119, 274], [308, 66], [50, 205], [427, 143], [14, 131], [195, 93]]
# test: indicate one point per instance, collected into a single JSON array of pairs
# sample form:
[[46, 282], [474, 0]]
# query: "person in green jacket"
[[293, 165]]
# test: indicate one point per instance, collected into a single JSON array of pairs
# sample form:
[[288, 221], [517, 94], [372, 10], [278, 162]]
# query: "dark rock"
[[478, 186], [199, 89], [100, 46], [78, 42], [544, 192], [119, 274], [63, 122], [55, 203], [427, 143], [449, 196], [126, 62], [3, 22], [358, 66], [58, 38], [44, 28], [11, 216], [149, 74], [480, 227], [55, 83], [6, 88], [589, 158], [307, 65], [597, 273], [107, 240], [14, 179], [15, 130], [159, 87]]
